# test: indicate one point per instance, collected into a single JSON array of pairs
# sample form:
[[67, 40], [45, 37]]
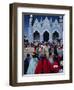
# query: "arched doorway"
[[46, 36], [55, 35], [36, 36]]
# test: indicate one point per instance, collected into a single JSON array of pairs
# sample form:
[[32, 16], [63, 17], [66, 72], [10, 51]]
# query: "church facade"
[[45, 30]]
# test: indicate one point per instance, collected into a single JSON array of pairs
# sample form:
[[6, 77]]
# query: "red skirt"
[[43, 66]]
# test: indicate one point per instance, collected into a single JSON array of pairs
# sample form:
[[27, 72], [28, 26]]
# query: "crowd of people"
[[46, 58]]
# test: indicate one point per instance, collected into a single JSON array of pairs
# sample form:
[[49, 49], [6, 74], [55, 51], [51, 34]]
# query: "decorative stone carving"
[[46, 25]]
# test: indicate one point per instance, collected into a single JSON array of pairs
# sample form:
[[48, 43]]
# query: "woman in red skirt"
[[43, 66]]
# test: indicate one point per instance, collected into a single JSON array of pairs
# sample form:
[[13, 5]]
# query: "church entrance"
[[46, 36], [36, 36], [55, 35]]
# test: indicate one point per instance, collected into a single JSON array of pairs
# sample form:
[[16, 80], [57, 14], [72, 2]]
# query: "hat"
[[34, 53]]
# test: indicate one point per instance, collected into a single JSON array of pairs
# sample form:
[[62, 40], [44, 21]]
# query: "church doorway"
[[36, 36], [55, 35], [46, 36]]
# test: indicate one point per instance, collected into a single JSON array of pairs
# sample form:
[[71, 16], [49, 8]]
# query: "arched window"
[[46, 36], [55, 35], [36, 36]]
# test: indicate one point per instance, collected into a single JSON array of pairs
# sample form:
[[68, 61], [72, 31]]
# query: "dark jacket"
[[26, 64]]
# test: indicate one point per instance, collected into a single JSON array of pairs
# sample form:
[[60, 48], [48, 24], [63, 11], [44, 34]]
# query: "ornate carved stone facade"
[[45, 30]]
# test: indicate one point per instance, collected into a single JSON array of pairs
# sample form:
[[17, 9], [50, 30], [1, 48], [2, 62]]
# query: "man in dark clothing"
[[26, 63], [55, 50]]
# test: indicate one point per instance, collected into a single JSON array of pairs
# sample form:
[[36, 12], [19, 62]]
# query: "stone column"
[[41, 37], [50, 37]]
